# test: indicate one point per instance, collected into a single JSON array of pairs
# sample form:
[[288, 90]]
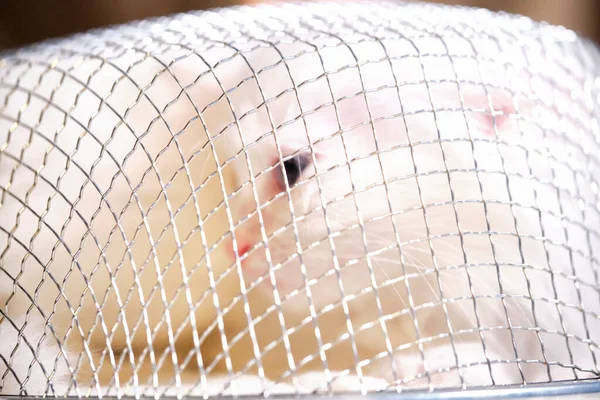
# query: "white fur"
[[126, 229], [28, 360], [479, 189]]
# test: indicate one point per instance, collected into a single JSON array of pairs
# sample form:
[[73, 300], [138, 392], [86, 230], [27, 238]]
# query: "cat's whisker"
[[393, 285]]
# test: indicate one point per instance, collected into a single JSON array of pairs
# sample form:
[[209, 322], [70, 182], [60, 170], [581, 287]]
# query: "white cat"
[[413, 227], [365, 202]]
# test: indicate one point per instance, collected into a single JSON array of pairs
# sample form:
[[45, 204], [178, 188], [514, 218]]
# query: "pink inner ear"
[[493, 119], [499, 121]]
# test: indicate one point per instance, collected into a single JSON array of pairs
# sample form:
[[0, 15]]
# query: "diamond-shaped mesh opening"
[[300, 198]]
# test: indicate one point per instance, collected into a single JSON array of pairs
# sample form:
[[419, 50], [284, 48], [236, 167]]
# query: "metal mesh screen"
[[300, 198]]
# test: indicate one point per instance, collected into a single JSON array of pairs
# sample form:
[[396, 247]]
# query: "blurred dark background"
[[27, 21]]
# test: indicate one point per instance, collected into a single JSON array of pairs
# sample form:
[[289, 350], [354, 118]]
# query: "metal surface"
[[300, 198]]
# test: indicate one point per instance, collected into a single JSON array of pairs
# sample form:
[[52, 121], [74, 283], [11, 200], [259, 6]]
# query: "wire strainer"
[[302, 198]]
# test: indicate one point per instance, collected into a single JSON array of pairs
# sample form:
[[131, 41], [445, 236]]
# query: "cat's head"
[[331, 173]]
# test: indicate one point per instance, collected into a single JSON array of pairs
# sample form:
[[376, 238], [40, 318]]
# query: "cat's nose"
[[241, 252], [243, 248]]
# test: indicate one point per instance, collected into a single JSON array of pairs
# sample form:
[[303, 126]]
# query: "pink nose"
[[243, 248]]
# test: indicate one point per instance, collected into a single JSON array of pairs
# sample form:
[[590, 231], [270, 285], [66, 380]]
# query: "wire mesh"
[[300, 198]]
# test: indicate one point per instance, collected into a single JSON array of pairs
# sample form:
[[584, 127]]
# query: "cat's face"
[[338, 194], [302, 214]]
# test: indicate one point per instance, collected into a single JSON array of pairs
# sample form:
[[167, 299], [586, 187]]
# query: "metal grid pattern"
[[300, 197]]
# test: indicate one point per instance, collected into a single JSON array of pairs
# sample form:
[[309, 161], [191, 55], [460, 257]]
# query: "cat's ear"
[[489, 111], [421, 113], [478, 111]]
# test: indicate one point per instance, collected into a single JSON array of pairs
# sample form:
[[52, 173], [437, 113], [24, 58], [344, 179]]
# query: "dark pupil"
[[294, 167]]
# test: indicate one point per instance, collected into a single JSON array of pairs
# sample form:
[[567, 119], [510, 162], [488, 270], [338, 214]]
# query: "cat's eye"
[[294, 166]]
